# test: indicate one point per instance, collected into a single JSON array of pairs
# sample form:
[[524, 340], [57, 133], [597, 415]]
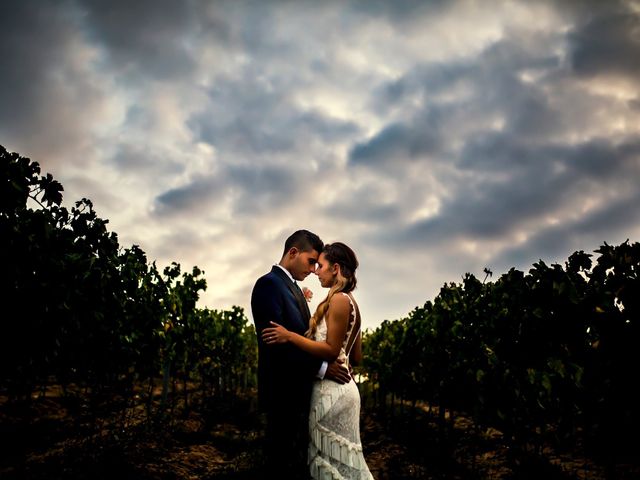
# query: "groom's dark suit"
[[285, 375]]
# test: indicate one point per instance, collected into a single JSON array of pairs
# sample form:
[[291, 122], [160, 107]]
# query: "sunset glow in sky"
[[435, 138]]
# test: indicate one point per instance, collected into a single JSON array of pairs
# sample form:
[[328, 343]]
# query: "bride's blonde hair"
[[341, 254]]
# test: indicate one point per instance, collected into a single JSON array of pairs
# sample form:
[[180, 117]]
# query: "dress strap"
[[353, 341], [352, 323]]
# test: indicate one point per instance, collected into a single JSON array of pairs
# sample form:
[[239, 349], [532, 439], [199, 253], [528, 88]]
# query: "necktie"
[[301, 300]]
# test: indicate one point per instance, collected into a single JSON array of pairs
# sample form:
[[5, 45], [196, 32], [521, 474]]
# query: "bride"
[[335, 449]]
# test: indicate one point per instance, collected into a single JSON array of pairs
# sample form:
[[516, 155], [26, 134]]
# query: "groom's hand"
[[337, 372]]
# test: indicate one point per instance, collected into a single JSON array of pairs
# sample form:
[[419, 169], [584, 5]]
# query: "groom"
[[286, 373]]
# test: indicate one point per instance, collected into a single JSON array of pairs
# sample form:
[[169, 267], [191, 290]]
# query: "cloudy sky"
[[435, 138]]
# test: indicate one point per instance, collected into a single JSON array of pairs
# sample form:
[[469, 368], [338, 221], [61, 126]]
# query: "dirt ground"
[[53, 438]]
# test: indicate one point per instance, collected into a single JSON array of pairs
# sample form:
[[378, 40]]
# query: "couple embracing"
[[312, 404]]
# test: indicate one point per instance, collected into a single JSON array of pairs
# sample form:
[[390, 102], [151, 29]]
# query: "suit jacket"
[[285, 373]]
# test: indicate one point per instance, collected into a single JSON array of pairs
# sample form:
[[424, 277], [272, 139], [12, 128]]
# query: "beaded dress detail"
[[335, 450]]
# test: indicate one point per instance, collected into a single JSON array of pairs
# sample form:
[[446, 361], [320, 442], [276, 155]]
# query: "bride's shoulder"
[[340, 300]]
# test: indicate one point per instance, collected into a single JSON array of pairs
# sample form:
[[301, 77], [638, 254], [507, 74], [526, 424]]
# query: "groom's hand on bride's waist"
[[338, 372]]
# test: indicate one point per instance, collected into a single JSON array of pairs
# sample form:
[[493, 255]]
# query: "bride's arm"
[[337, 318]]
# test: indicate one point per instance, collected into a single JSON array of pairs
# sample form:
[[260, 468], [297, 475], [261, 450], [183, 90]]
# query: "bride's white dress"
[[335, 450]]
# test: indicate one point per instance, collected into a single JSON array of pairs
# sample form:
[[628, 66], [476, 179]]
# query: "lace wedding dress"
[[335, 450]]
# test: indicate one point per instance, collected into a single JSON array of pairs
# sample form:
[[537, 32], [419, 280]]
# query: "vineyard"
[[108, 367]]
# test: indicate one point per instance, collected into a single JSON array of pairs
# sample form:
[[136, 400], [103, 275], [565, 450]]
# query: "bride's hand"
[[275, 334]]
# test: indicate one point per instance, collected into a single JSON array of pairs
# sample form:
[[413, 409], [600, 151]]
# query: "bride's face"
[[326, 272]]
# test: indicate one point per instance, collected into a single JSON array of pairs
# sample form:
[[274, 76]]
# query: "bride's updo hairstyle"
[[340, 254]]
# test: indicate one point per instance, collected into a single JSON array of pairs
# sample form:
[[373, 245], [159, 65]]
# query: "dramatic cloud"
[[436, 138]]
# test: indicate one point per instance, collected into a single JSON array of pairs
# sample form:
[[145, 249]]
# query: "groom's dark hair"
[[303, 240]]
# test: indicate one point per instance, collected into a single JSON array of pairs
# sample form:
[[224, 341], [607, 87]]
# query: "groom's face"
[[303, 263]]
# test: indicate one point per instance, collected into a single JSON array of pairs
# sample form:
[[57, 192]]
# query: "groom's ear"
[[293, 251]]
